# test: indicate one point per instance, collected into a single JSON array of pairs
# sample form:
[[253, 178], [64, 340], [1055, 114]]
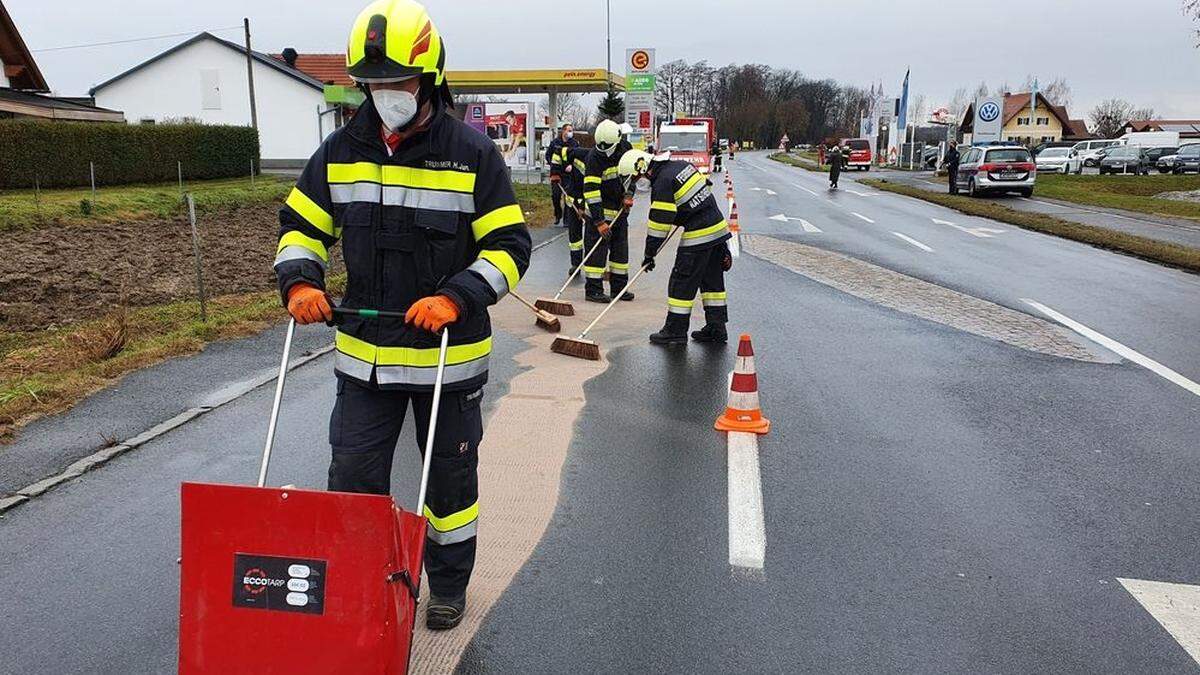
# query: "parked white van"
[[1087, 149]]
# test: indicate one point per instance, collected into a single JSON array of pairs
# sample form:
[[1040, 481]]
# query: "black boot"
[[616, 288], [674, 331], [594, 292], [712, 332], [445, 613]]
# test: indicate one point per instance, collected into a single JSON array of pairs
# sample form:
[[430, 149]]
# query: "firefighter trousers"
[[558, 197], [363, 432], [698, 269], [612, 254], [574, 233]]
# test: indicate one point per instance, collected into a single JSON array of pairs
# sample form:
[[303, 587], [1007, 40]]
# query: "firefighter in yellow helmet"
[[429, 226], [608, 202]]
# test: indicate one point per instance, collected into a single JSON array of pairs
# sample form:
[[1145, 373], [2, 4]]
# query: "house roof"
[[29, 104], [1164, 125], [20, 68], [264, 59], [1077, 131], [326, 68]]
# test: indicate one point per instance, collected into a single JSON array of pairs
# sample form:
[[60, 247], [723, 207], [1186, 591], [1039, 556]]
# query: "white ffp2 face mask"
[[396, 108]]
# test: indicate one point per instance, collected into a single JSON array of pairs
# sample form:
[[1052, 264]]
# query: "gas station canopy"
[[580, 80]]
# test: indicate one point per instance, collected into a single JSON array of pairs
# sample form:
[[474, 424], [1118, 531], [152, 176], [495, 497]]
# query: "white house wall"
[[3, 77], [207, 81]]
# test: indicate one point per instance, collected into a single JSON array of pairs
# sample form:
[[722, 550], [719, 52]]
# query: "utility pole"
[[250, 76], [608, 43]]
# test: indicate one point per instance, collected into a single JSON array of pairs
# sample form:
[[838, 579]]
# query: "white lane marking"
[[806, 190], [804, 224], [1114, 346], [862, 194], [747, 531], [769, 192], [855, 213], [914, 242], [1175, 606], [984, 232]]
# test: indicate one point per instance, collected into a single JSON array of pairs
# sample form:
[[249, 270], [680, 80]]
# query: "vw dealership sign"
[[988, 124]]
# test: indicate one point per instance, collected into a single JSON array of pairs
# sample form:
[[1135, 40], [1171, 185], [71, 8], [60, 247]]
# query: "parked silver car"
[[1005, 168]]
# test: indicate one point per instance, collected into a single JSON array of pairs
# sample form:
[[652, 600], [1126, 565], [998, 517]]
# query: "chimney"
[[289, 56]]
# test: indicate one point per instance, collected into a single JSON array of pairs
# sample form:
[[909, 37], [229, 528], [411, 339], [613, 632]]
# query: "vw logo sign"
[[989, 111]]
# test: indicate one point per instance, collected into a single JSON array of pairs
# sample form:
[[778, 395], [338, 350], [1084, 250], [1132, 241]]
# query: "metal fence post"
[[191, 204], [92, 170], [179, 167], [252, 171]]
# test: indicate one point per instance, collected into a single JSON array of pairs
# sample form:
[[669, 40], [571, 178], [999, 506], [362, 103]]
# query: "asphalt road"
[[935, 501]]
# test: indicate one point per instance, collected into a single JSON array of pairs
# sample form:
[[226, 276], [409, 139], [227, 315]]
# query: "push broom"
[[564, 307], [583, 348], [544, 319]]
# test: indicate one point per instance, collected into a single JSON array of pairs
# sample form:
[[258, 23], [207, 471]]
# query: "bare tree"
[[1192, 8], [958, 103], [981, 91], [918, 110], [1058, 92], [1110, 116], [1146, 113]]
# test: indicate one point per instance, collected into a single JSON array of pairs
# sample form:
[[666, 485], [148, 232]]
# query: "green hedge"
[[56, 154]]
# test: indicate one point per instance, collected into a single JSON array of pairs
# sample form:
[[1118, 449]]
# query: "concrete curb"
[[549, 241], [101, 457]]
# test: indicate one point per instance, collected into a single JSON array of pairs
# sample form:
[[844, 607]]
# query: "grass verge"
[[1132, 193], [787, 158], [534, 199], [29, 208], [49, 371], [1163, 252]]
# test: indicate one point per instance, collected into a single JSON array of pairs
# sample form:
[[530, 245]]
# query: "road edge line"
[[1118, 348]]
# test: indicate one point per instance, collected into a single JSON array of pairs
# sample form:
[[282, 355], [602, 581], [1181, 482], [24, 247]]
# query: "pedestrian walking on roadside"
[[835, 166], [951, 161], [424, 208]]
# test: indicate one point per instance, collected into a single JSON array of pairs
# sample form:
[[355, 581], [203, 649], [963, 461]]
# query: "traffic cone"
[[743, 413], [729, 191], [733, 219]]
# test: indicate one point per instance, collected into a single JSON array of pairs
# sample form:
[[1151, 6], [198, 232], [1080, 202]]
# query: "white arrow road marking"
[[806, 189], [769, 192], [861, 194], [747, 532], [1114, 346], [862, 216], [1175, 606], [807, 226], [914, 242], [984, 232]]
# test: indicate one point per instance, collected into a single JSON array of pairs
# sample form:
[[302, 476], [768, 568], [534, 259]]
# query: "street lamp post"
[[608, 43]]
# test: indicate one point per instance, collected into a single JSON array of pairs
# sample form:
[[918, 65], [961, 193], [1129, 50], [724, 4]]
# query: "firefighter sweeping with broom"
[[682, 196], [430, 227], [608, 204]]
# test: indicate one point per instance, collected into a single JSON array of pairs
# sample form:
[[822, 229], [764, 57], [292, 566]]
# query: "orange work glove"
[[432, 313], [308, 304], [603, 227]]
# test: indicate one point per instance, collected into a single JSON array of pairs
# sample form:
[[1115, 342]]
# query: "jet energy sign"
[[988, 125], [639, 93]]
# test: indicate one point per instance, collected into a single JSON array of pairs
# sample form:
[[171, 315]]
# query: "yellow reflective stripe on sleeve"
[[618, 266], [688, 185], [454, 520], [680, 303], [664, 206], [401, 176], [580, 165], [496, 219], [661, 227], [592, 180], [611, 213], [712, 229], [295, 238], [610, 172], [426, 357], [359, 172], [715, 295], [503, 262], [310, 212]]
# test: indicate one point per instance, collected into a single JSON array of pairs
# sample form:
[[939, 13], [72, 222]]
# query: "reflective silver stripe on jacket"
[[298, 253], [453, 536], [705, 239], [426, 375], [398, 195], [493, 276], [348, 365]]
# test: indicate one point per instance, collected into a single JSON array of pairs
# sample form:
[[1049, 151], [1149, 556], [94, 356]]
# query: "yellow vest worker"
[[424, 210]]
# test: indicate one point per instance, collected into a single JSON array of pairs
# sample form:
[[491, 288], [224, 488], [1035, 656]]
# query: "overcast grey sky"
[[1141, 51]]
